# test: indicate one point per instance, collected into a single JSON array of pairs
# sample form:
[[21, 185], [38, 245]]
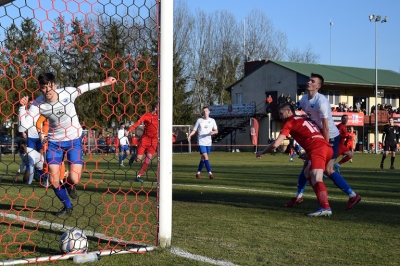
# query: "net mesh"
[[80, 41]]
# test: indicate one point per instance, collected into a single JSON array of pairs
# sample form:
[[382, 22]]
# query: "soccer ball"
[[73, 241]]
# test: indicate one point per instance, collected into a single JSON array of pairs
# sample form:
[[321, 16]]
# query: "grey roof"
[[345, 75]]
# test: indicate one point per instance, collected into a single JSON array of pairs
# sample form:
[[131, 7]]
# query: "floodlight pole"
[[376, 19]]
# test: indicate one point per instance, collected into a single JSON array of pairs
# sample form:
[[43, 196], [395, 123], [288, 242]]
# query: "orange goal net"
[[104, 57]]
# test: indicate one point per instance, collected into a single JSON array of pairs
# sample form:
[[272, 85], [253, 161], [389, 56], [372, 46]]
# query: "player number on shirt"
[[312, 127]]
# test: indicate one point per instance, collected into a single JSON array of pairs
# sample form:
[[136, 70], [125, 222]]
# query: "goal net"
[[80, 42]]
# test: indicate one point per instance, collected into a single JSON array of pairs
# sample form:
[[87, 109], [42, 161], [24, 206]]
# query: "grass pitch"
[[238, 218]]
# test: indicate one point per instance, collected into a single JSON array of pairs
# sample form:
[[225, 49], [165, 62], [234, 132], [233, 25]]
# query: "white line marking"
[[277, 192], [182, 253]]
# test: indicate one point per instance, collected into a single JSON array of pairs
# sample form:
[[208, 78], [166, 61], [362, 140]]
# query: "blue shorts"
[[205, 149], [34, 143], [335, 146], [123, 148], [57, 149]]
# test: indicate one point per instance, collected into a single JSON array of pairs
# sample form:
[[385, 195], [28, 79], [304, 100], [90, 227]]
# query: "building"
[[351, 85]]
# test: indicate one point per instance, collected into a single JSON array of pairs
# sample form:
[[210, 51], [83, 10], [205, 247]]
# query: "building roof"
[[345, 75]]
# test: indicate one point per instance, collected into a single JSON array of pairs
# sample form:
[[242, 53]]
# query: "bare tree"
[[305, 56], [262, 40]]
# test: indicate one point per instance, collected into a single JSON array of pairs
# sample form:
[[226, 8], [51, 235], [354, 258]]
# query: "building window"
[[239, 98], [389, 99], [333, 96]]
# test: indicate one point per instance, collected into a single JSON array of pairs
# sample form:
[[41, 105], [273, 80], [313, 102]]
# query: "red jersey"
[[305, 132], [343, 132], [150, 122], [350, 139], [108, 141], [134, 141], [116, 141]]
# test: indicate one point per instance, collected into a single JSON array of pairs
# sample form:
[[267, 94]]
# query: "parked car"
[[6, 144]]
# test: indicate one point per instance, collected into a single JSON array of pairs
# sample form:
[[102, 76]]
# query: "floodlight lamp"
[[5, 2], [378, 18], [371, 17], [385, 19]]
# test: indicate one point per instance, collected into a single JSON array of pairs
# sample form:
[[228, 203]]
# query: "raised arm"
[[272, 146], [92, 86]]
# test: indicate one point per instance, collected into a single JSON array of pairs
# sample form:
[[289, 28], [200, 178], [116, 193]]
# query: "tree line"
[[209, 55]]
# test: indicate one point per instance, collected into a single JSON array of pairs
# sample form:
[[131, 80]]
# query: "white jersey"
[[317, 109], [63, 120], [203, 128], [35, 161], [121, 133], [123, 141]]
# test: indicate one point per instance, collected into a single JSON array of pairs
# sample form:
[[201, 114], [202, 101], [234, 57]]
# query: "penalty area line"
[[278, 192]]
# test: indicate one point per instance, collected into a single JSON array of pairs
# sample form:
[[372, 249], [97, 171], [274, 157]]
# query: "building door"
[[363, 101]]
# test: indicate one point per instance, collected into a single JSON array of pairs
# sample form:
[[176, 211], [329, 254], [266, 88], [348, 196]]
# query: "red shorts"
[[147, 144], [342, 149], [319, 157]]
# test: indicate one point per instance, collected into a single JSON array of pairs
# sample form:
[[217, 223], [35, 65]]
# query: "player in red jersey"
[[318, 149], [343, 149], [148, 142], [350, 141]]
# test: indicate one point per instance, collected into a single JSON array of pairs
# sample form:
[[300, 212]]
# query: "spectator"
[[288, 99], [268, 102], [282, 99], [108, 144]]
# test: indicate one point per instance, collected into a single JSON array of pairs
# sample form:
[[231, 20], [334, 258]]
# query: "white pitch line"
[[182, 253], [278, 192]]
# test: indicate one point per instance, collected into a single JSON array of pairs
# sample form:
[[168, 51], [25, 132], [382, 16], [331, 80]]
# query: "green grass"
[[237, 217]]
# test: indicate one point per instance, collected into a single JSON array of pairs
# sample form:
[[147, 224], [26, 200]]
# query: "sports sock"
[[392, 161], [144, 166], [201, 165], [322, 194], [344, 160], [208, 167], [301, 184], [124, 156], [120, 159], [383, 158], [61, 194], [339, 181]]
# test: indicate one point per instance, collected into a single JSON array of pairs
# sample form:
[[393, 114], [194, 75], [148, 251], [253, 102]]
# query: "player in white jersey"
[[33, 161], [65, 131], [123, 144], [318, 109], [205, 127]]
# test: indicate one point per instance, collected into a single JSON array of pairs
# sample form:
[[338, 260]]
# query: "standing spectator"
[[116, 144], [65, 131], [134, 142], [205, 128], [358, 106], [288, 99], [282, 99], [108, 144], [390, 138], [149, 140], [84, 144], [268, 102]]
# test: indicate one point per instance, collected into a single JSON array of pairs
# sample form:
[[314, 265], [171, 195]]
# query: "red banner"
[[355, 119], [396, 119], [254, 131]]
